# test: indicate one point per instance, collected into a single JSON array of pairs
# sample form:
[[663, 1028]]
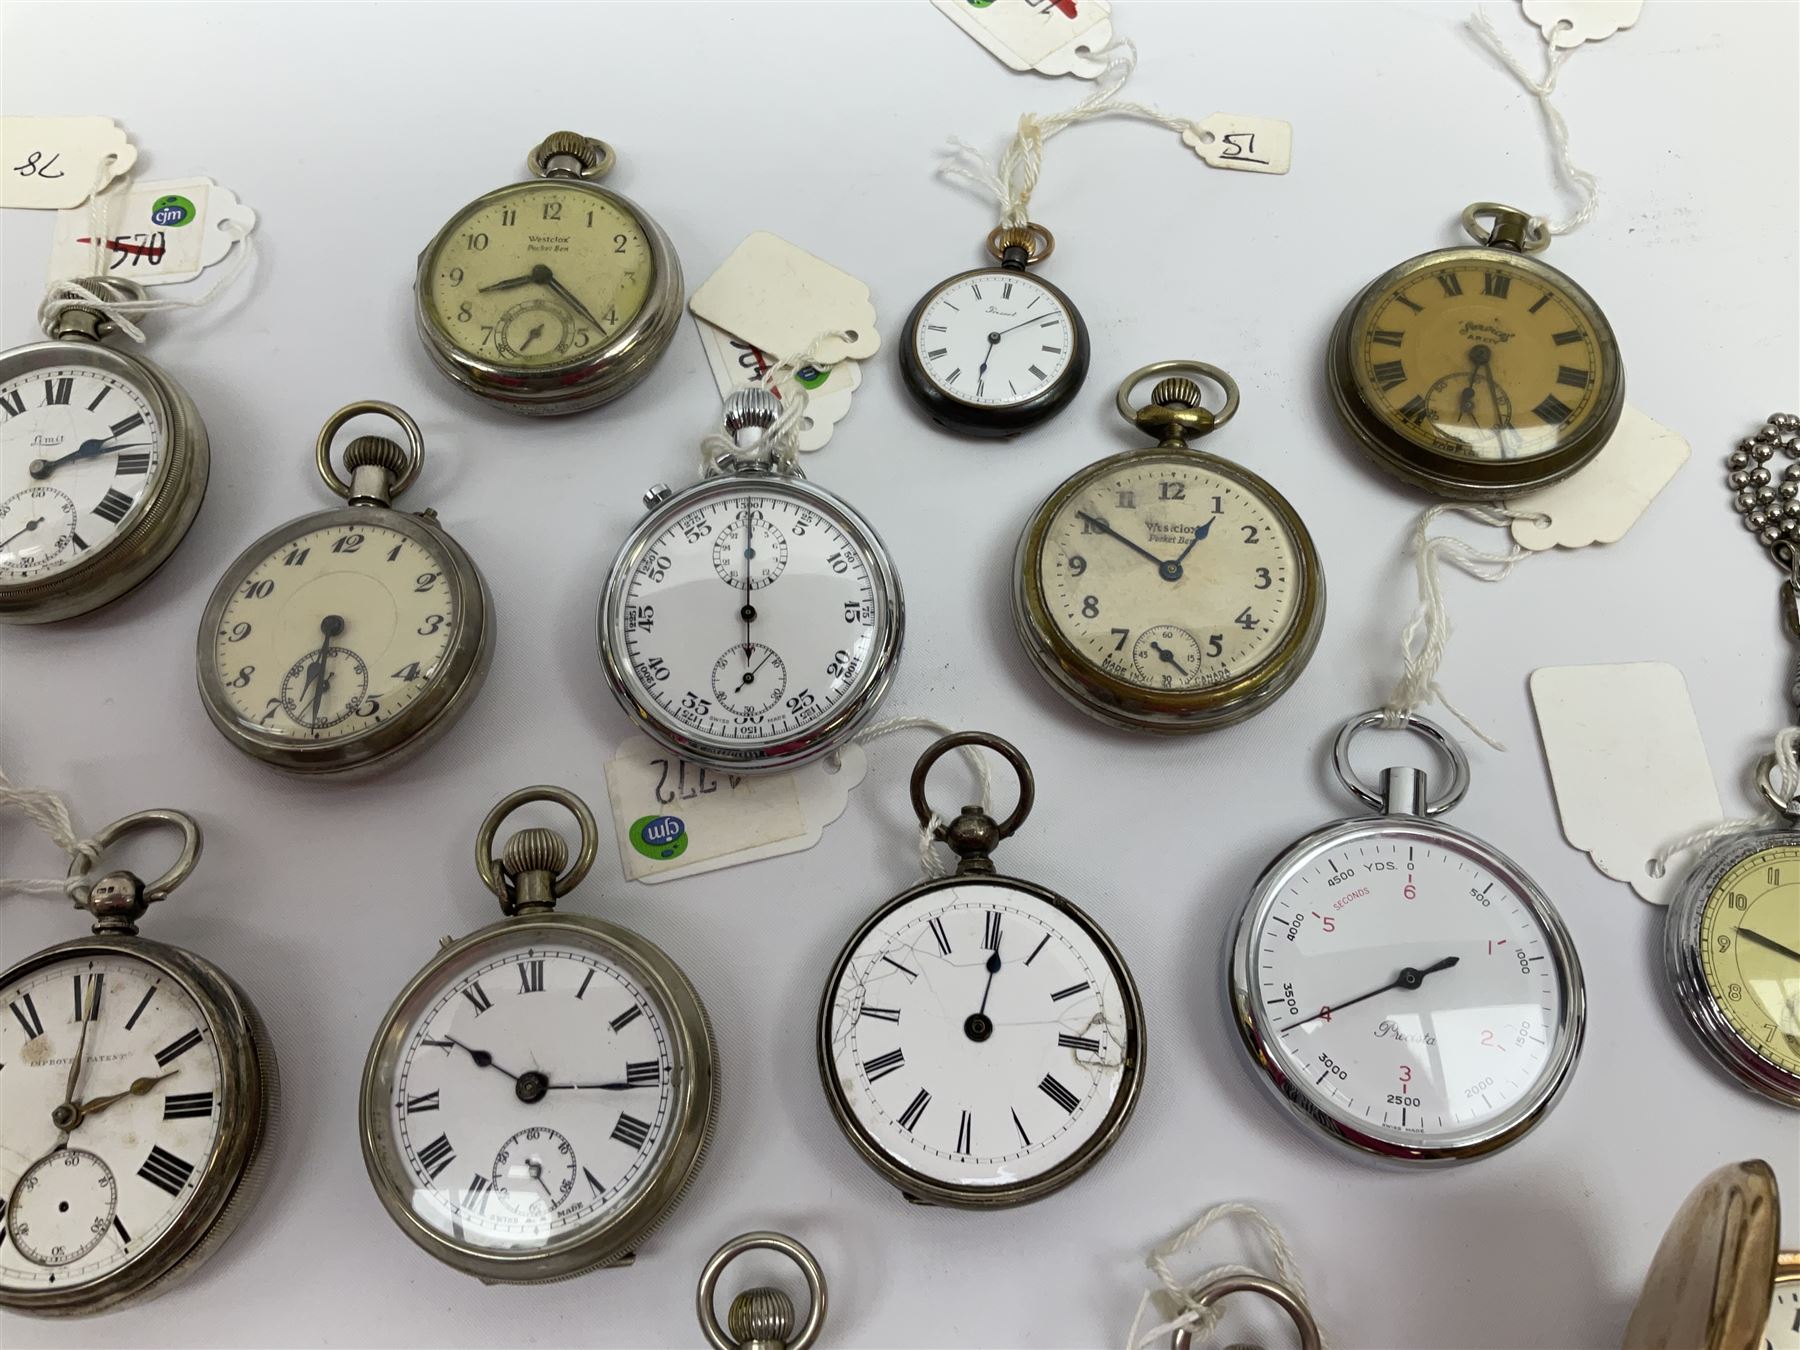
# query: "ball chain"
[[1771, 510]]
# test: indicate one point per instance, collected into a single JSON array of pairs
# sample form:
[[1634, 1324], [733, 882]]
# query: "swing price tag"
[[1242, 141], [1052, 37], [53, 163], [155, 234]]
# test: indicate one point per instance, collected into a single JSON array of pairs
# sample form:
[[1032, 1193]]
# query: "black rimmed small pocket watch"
[[138, 1095], [981, 1041], [997, 350]]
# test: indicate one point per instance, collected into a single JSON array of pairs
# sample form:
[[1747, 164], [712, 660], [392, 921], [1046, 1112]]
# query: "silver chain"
[[1771, 510]]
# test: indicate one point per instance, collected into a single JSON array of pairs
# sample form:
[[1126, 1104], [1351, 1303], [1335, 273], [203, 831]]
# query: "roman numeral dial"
[[995, 339]]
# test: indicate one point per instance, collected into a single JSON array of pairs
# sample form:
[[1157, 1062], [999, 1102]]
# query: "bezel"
[[594, 378], [853, 707], [1249, 1011], [918, 1187], [228, 1182], [1120, 703], [1688, 988], [157, 521], [609, 1241], [984, 419], [415, 726], [1455, 476]]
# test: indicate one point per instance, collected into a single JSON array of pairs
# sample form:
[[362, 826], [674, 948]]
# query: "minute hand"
[[568, 297], [1104, 528]]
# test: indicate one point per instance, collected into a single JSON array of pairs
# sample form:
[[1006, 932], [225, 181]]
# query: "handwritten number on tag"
[[36, 166], [1241, 145], [690, 781]]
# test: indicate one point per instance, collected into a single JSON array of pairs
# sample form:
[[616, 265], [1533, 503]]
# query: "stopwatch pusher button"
[[750, 412]]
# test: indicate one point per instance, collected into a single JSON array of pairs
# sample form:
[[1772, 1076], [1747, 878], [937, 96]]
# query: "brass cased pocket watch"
[[1166, 589], [1478, 373], [103, 465], [346, 638], [540, 1096], [139, 1091], [995, 351], [549, 296]]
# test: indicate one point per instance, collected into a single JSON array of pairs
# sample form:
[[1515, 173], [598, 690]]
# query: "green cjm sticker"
[[662, 837]]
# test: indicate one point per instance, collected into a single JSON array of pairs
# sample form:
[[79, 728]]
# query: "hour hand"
[[510, 284], [1101, 525]]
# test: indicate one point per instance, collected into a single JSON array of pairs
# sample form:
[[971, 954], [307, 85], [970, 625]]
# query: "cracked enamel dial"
[[82, 1204], [750, 621], [1406, 989], [80, 450], [982, 1040]]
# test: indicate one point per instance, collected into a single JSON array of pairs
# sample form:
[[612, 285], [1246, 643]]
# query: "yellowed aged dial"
[[538, 275], [1480, 355], [1749, 938], [1168, 573]]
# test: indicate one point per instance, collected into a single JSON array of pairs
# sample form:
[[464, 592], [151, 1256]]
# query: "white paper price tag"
[[781, 298], [1569, 23], [155, 233], [1628, 764], [1604, 500], [674, 819], [1052, 37], [736, 364], [1241, 141], [53, 163]]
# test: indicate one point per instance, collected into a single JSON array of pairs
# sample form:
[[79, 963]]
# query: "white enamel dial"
[[79, 1207], [1168, 573], [79, 450], [751, 614], [994, 338], [334, 631], [532, 1092], [1406, 988], [1783, 1331], [979, 1036]]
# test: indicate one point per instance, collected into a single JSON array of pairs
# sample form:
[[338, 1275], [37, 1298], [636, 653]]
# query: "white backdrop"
[[356, 131]]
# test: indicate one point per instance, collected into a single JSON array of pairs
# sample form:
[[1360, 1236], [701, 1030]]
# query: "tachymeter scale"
[[335, 631], [1169, 553], [532, 1096], [979, 1037], [1748, 935], [994, 338], [150, 1086], [1405, 989], [96, 446], [538, 275]]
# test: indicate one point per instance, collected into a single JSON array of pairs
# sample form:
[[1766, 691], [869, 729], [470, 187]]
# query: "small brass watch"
[[1478, 373]]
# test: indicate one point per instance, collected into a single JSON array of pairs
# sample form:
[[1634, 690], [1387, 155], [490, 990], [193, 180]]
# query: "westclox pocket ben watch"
[[981, 1041], [1478, 373], [1400, 986], [995, 351], [539, 1096], [103, 465], [138, 1095], [553, 295], [753, 620], [347, 638], [1166, 589]]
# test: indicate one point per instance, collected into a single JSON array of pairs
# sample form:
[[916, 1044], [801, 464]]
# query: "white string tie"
[[1787, 774], [1014, 177], [1191, 1317], [929, 862], [1577, 178], [51, 814], [1427, 632], [780, 442]]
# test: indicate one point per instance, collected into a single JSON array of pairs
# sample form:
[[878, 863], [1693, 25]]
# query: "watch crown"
[[572, 144], [535, 850], [761, 1316], [753, 406], [1178, 391], [377, 451]]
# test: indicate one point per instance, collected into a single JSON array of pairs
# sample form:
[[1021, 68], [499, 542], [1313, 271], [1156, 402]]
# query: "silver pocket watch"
[[1401, 986], [103, 465], [761, 1318], [552, 295], [753, 620], [541, 1094], [349, 637], [139, 1091], [980, 1041]]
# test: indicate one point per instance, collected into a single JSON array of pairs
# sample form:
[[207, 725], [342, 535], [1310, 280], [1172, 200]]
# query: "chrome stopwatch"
[[1404, 987], [753, 620]]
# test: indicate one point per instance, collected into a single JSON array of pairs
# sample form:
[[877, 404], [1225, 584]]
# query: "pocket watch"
[[348, 637], [553, 295], [541, 1094], [996, 351], [1166, 589], [752, 621], [981, 1041], [103, 464], [1478, 373], [1403, 987], [761, 1318], [139, 1091]]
